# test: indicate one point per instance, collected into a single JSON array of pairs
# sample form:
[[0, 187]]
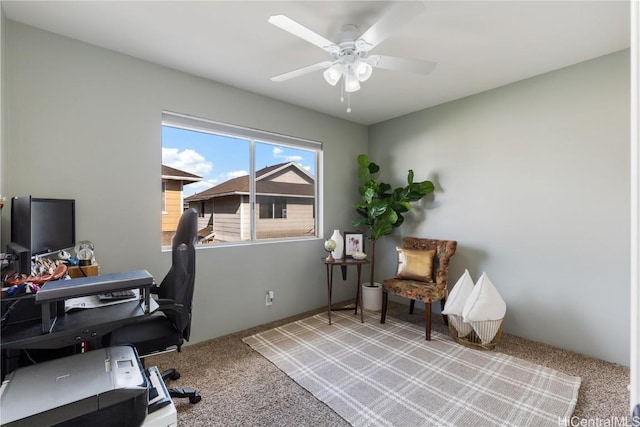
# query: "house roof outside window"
[[265, 184], [178, 175]]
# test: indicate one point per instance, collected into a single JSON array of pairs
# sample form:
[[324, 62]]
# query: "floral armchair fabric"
[[428, 291]]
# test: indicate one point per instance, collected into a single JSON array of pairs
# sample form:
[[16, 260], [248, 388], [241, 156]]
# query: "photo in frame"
[[353, 242]]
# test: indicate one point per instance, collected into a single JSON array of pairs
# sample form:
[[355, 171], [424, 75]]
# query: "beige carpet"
[[242, 388], [388, 375]]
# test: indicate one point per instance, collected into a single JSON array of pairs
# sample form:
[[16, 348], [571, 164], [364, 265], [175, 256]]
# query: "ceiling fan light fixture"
[[332, 74], [362, 70], [351, 82]]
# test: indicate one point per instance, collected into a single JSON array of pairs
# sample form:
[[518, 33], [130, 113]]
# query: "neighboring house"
[[172, 201], [285, 205]]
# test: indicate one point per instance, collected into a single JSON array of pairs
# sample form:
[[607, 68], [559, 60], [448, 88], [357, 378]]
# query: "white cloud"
[[188, 160], [235, 174], [277, 153]]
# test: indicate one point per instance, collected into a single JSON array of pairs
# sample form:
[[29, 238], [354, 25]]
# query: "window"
[[272, 207], [247, 185], [163, 202]]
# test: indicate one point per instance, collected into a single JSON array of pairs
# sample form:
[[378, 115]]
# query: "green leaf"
[[393, 217], [363, 161], [401, 206], [399, 222], [410, 177], [377, 208], [368, 195], [424, 187], [360, 221], [363, 174], [362, 210], [382, 230], [383, 188], [374, 168]]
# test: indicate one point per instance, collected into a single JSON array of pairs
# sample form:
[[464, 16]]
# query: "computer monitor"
[[20, 258], [43, 225]]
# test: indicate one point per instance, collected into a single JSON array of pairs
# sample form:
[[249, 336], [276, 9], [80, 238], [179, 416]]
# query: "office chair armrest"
[[166, 304], [154, 289]]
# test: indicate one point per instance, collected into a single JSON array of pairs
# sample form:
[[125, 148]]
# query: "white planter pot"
[[372, 296]]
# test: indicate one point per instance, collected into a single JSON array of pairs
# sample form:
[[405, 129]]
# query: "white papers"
[[92, 301]]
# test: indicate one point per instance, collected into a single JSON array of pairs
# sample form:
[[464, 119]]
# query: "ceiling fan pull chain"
[[342, 91]]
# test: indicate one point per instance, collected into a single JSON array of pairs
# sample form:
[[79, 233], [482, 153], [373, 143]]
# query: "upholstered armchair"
[[421, 275]]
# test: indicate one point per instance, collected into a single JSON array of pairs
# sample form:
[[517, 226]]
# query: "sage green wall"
[[3, 115], [84, 123], [533, 182]]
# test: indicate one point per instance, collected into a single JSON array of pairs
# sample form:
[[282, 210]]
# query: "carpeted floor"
[[239, 387]]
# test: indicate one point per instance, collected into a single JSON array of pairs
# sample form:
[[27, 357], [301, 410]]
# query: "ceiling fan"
[[350, 55]]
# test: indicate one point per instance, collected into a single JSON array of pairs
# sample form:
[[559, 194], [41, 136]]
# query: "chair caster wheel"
[[195, 399], [175, 376]]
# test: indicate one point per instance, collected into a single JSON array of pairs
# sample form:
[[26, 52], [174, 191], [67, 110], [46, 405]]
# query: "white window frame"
[[198, 124], [164, 198]]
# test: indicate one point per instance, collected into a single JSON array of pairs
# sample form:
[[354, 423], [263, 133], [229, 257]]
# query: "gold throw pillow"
[[415, 264]]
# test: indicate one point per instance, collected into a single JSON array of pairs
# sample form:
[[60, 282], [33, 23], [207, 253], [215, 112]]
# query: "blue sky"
[[219, 158]]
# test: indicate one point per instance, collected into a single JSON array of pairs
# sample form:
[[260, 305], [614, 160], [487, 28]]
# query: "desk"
[[74, 327], [344, 263], [69, 329]]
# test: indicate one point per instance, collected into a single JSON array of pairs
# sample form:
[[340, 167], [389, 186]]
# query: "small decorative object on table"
[[353, 243], [329, 245], [84, 252], [338, 251], [359, 255]]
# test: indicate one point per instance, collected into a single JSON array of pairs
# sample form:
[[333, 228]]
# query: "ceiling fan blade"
[[399, 15], [417, 66], [287, 24], [302, 71]]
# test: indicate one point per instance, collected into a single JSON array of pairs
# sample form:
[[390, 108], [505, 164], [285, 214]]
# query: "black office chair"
[[167, 332]]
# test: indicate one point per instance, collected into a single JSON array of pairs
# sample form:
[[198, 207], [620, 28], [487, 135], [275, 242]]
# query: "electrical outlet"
[[269, 298]]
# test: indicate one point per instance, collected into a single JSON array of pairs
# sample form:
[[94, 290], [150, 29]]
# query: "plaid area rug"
[[388, 375]]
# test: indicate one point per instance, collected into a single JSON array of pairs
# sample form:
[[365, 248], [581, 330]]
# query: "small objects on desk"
[[117, 295], [29, 288], [359, 255], [40, 274], [84, 252], [329, 246], [15, 290]]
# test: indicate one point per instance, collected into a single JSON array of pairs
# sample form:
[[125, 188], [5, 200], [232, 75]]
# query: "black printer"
[[104, 387]]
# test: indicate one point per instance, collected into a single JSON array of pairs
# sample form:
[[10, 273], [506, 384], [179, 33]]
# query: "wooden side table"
[[344, 263]]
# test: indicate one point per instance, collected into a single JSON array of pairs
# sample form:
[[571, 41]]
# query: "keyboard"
[[117, 295]]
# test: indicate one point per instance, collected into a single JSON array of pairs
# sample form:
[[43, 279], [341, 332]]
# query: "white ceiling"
[[478, 45]]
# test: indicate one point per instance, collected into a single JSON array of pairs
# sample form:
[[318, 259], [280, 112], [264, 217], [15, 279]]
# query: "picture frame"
[[353, 242]]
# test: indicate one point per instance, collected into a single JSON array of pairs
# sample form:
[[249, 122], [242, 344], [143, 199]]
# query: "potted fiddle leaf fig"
[[381, 209]]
